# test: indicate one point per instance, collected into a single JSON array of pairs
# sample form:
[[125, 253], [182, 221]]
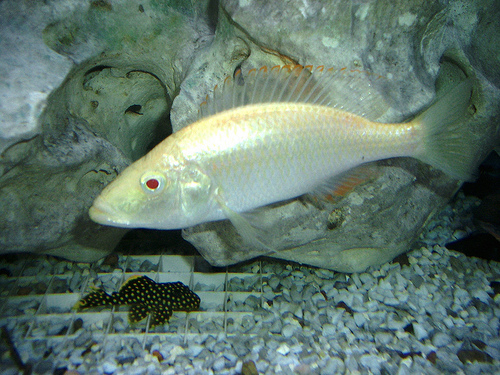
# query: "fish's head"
[[154, 196]]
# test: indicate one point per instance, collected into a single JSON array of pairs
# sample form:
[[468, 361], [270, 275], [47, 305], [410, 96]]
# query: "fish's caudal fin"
[[447, 141]]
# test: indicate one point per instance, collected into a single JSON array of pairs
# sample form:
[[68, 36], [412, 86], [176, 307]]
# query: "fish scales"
[[278, 134], [266, 153]]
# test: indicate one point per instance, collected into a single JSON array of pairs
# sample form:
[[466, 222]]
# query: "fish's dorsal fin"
[[135, 280], [350, 90]]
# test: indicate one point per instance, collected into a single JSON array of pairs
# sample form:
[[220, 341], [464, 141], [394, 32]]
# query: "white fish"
[[276, 135]]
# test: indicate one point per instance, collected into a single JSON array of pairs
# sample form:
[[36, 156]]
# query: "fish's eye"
[[153, 182]]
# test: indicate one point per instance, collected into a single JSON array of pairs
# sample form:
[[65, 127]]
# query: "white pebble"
[[359, 319], [383, 338], [219, 364], [288, 330], [420, 332], [441, 339], [329, 330], [109, 367], [283, 349], [481, 295]]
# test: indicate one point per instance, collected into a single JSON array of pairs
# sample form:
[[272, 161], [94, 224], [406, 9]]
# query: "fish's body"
[[264, 145], [261, 154], [144, 296]]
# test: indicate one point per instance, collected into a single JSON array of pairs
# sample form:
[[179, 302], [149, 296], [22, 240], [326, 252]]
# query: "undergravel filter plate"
[[434, 312]]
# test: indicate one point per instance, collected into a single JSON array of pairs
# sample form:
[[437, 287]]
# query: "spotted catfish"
[[144, 296]]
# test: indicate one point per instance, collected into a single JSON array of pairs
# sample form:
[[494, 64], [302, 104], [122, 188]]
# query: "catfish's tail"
[[97, 298], [447, 140]]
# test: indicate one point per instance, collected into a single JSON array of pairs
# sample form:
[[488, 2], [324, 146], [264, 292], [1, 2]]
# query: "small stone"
[[219, 364], [334, 365], [417, 280], [283, 349], [109, 367], [372, 362], [419, 331], [83, 338], [118, 325], [252, 302], [273, 282], [329, 330], [74, 283], [383, 338], [288, 330], [343, 305], [76, 358], [147, 266], [249, 368], [240, 349], [43, 367], [441, 339], [158, 355], [391, 301], [247, 323], [111, 260], [193, 350], [432, 357], [359, 319], [473, 355], [276, 326]]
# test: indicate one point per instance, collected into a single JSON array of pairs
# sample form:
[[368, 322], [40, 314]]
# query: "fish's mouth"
[[101, 213]]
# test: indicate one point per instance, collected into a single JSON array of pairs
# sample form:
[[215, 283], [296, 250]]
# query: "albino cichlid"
[[273, 135]]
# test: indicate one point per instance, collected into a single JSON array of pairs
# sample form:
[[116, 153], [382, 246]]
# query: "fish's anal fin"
[[246, 224], [339, 186]]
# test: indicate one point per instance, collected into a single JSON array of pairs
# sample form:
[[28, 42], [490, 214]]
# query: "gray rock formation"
[[126, 64], [122, 63], [419, 49]]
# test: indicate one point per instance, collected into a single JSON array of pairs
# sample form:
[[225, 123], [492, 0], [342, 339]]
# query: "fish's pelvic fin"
[[447, 140], [247, 226]]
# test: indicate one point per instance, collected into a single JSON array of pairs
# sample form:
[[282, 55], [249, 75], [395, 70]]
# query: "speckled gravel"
[[433, 311]]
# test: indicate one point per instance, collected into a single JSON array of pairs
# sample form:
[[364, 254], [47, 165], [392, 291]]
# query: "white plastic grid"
[[36, 308]]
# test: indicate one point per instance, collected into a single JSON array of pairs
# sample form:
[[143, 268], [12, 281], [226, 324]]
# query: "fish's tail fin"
[[447, 139], [97, 298]]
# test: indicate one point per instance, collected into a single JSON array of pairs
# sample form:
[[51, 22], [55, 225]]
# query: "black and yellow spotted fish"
[[145, 296]]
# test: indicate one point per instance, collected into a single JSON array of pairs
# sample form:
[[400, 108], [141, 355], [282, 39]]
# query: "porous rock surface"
[[129, 66]]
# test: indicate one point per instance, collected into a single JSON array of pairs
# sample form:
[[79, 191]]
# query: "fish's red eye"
[[152, 183]]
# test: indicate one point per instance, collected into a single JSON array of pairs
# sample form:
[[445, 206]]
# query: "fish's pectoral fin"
[[342, 184], [247, 225], [137, 313], [160, 315]]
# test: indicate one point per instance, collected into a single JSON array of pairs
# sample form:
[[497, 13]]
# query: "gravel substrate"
[[433, 311]]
